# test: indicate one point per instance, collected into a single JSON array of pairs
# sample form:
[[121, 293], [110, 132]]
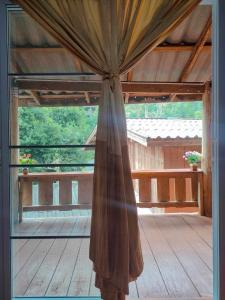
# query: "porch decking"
[[177, 253]]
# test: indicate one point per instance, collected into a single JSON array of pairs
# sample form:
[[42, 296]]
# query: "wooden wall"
[[143, 157], [173, 156], [158, 157]]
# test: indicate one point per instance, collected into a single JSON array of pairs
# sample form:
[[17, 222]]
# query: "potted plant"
[[193, 158], [26, 159]]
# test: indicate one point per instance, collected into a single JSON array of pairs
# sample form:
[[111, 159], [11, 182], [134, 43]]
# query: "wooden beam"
[[130, 75], [128, 87], [126, 100], [196, 50], [36, 97], [76, 100], [87, 98], [173, 97], [161, 48]]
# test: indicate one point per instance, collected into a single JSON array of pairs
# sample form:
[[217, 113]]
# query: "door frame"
[[5, 243], [218, 163]]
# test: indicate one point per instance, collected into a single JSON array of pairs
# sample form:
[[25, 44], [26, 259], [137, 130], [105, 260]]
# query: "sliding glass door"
[[47, 160]]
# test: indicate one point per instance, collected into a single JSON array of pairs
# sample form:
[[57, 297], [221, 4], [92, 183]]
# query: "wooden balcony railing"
[[153, 188]]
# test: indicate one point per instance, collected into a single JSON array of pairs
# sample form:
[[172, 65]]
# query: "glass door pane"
[[51, 168]]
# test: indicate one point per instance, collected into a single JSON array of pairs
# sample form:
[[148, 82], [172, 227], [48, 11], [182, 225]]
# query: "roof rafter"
[[196, 50]]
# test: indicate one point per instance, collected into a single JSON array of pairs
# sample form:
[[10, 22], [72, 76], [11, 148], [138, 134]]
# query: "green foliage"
[[62, 126], [182, 110], [192, 157]]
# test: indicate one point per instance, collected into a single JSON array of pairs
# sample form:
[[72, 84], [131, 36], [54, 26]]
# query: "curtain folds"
[[111, 36]]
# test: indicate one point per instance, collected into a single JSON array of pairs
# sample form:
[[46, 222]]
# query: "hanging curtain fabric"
[[111, 36]]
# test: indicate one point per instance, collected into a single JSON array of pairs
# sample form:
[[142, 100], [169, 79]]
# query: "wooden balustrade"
[[170, 188], [155, 188]]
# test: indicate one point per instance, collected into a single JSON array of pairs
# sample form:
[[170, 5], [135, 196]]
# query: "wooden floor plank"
[[81, 226], [68, 226], [17, 245], [176, 280], [202, 226], [62, 267], [23, 255], [27, 227], [23, 279], [81, 280], [41, 280], [196, 269], [150, 283], [46, 227], [202, 248], [61, 279]]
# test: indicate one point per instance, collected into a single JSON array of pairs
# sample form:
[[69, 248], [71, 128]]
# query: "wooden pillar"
[[14, 139], [207, 152]]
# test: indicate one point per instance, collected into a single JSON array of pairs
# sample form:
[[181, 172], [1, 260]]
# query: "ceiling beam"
[[95, 86], [196, 50], [81, 101], [163, 47]]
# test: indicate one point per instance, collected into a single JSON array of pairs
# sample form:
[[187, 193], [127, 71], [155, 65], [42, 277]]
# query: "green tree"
[[61, 126]]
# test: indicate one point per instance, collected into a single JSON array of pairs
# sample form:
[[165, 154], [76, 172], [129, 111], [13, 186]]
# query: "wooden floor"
[[177, 253]]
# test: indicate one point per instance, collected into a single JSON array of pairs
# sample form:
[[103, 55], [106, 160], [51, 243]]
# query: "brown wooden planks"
[[61, 279], [180, 189], [193, 265], [145, 190], [26, 191], [65, 191], [163, 189], [45, 191]]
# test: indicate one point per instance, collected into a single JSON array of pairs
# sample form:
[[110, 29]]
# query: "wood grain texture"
[[177, 251]]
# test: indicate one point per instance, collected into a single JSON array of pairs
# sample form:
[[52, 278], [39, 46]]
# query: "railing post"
[[145, 190], [45, 191], [85, 186], [163, 189], [65, 191]]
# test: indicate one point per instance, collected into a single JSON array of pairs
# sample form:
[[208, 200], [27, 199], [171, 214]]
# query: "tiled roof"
[[144, 130], [164, 128]]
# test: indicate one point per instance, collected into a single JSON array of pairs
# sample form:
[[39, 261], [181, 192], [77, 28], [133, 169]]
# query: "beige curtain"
[[111, 36]]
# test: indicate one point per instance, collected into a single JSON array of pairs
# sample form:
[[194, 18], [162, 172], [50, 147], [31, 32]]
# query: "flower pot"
[[25, 171], [194, 167]]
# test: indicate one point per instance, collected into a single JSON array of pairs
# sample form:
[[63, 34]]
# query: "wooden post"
[[14, 134], [207, 152]]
